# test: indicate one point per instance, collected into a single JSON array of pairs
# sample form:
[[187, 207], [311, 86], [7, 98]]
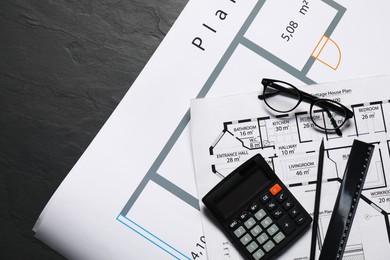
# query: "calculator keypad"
[[267, 222]]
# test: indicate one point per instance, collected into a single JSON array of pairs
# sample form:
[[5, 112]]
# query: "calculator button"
[[287, 224], [239, 231], [275, 189], [260, 214], [300, 219], [281, 196], [271, 205], [254, 206], [287, 204], [277, 213], [268, 246], [265, 197], [272, 230], [294, 212], [258, 254], [262, 238], [250, 223], [245, 239], [266, 222], [279, 237], [233, 224], [252, 247], [256, 230], [244, 215]]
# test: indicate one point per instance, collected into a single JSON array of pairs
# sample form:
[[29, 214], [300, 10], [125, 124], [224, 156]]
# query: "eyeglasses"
[[326, 114]]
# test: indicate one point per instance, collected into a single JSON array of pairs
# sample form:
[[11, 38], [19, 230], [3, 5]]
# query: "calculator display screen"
[[251, 184]]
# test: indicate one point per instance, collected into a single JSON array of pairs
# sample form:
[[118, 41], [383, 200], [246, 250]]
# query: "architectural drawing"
[[287, 140]]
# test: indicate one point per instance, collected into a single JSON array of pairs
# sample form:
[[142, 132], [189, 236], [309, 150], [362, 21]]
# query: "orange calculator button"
[[275, 189]]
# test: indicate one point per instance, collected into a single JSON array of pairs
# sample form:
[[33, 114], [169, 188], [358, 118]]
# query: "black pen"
[[317, 200]]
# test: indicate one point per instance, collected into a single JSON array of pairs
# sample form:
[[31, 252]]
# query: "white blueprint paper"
[[133, 192], [227, 131]]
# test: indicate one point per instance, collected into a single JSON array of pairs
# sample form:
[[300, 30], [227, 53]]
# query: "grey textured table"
[[64, 67]]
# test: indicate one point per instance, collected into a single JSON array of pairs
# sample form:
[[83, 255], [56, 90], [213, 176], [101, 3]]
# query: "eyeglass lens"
[[281, 100], [328, 114]]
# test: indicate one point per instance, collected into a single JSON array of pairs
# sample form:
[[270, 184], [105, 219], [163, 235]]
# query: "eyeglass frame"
[[303, 96]]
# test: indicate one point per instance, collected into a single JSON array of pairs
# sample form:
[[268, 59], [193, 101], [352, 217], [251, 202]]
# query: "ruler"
[[347, 201]]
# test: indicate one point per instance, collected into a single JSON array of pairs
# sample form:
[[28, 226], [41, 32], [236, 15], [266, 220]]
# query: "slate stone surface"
[[64, 66]]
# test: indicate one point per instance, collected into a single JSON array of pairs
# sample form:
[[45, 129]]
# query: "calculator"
[[256, 210]]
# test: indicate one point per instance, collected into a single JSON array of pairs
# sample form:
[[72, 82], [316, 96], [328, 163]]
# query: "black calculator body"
[[256, 210]]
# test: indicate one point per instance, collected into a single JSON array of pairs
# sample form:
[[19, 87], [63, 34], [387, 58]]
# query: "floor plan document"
[[227, 131], [132, 195]]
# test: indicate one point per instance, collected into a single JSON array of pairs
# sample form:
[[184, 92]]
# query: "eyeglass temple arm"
[[329, 105], [337, 129]]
